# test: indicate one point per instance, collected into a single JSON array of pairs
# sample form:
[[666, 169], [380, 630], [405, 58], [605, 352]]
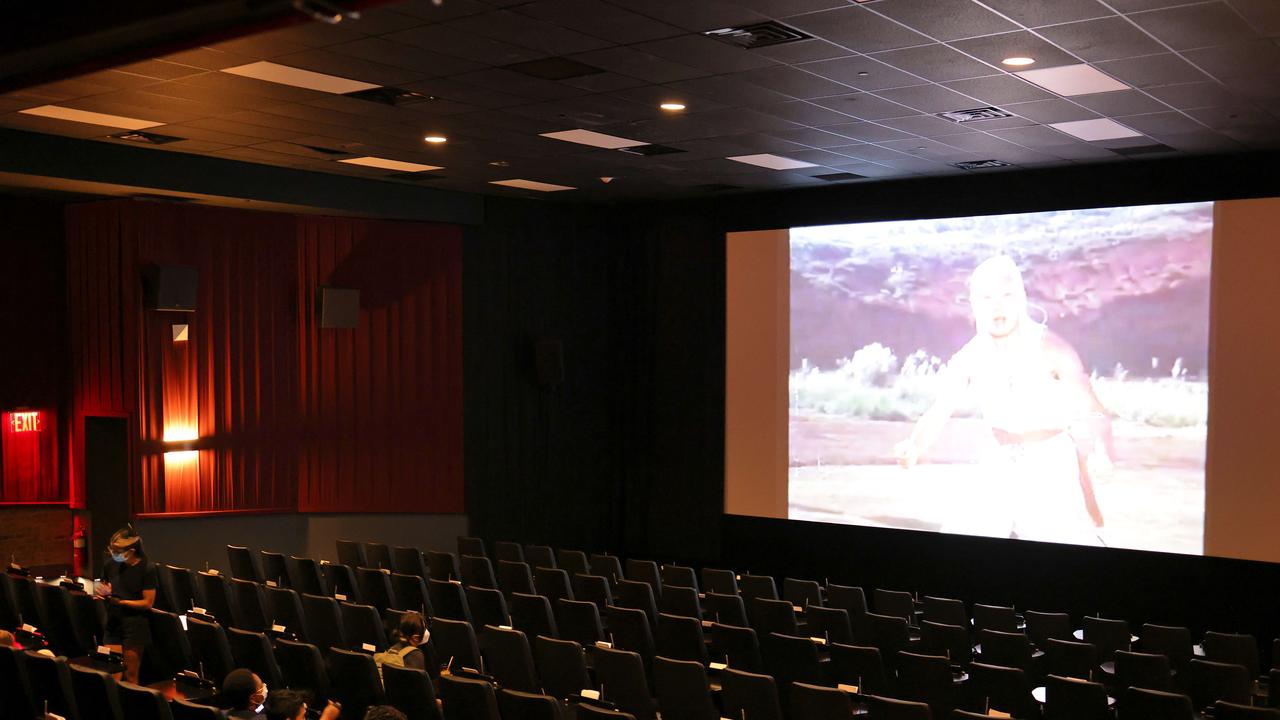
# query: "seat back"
[[1234, 649], [607, 566], [515, 577], [15, 685], [637, 595], [540, 556], [1207, 682], [726, 609], [172, 650], [363, 627], [745, 694], [593, 588], [680, 600], [1144, 670], [629, 629], [757, 586], [409, 592], [949, 640], [354, 681], [579, 621], [409, 561], [442, 566], [468, 699], [455, 642], [683, 690], [772, 616], [679, 576], [275, 569], [410, 691], [736, 646], [250, 606], [552, 583], [324, 622], [945, 611], [50, 679], [715, 580], [375, 588], [253, 650], [96, 693], [488, 607], [895, 603], [508, 551], [285, 606], [1234, 711], [926, 679], [477, 571], [241, 561], [216, 593], [1171, 641], [65, 634], [994, 617], [573, 562], [861, 666], [508, 658], [884, 708], [1074, 699], [621, 674], [448, 599], [561, 666], [1068, 658], [184, 710], [378, 555], [471, 546], [645, 571], [306, 576], [1107, 636], [303, 668], [352, 554], [531, 614], [814, 702], [887, 632], [680, 638], [1140, 704], [792, 659], [1004, 688], [142, 703], [1006, 649], [341, 581], [210, 649], [516, 705], [802, 593], [1045, 626]]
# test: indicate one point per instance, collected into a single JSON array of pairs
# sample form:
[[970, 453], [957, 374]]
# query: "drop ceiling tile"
[[803, 51], [867, 132], [945, 19], [289, 126], [805, 113], [1082, 150], [398, 54], [513, 28], [1264, 15], [1204, 141], [604, 82], [979, 143], [633, 63], [1163, 69], [863, 73], [246, 129], [815, 138], [1259, 88], [994, 48], [729, 91], [1132, 6], [915, 165], [928, 126], [115, 104], [924, 148], [454, 90], [1035, 14], [819, 157], [53, 127], [1000, 89], [694, 16], [160, 69], [190, 130], [601, 20], [1238, 60], [702, 52], [469, 46], [589, 111], [1195, 26], [353, 68], [858, 29], [208, 58], [929, 98], [319, 34], [1050, 111], [434, 13], [1103, 39], [1194, 95], [1236, 117], [1162, 123], [55, 92], [935, 62], [518, 84], [1124, 102], [220, 82], [866, 106], [651, 96], [794, 82], [1033, 136]]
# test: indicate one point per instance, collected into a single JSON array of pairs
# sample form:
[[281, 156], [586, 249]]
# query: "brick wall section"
[[37, 537]]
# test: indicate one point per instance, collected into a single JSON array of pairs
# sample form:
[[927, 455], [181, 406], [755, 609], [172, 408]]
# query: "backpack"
[[392, 657]]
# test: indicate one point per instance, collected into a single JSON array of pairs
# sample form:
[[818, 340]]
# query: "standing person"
[[1049, 432], [129, 585]]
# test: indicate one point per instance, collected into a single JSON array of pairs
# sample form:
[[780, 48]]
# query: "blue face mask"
[[117, 558]]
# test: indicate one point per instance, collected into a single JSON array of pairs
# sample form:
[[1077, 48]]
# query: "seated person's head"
[[286, 705], [412, 628], [6, 638], [383, 712], [242, 690]]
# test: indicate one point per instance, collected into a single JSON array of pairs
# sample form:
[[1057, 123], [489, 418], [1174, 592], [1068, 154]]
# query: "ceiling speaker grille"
[[757, 35], [146, 138], [980, 164]]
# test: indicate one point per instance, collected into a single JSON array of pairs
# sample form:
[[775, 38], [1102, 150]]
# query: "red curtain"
[[284, 415], [381, 404]]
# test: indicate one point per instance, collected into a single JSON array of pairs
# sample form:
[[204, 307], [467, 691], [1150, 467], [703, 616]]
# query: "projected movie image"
[[1040, 376]]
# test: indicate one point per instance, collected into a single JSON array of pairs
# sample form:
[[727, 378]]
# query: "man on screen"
[[1050, 433]]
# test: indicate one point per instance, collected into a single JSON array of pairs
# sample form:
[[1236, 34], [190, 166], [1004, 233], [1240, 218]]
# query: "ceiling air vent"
[[983, 113], [392, 96], [145, 137], [325, 150], [650, 150], [757, 35], [980, 164], [837, 177]]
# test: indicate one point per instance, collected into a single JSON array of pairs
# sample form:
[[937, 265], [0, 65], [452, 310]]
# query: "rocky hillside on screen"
[[1127, 286]]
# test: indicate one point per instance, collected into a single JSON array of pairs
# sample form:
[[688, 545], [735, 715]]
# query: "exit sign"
[[25, 422]]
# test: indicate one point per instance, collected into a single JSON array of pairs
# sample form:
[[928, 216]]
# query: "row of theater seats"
[[638, 634]]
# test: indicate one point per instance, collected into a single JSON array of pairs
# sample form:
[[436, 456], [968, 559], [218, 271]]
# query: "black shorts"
[[132, 631]]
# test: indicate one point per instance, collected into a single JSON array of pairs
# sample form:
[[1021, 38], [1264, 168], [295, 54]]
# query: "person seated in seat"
[[292, 705], [6, 638], [242, 693], [411, 633], [384, 712]]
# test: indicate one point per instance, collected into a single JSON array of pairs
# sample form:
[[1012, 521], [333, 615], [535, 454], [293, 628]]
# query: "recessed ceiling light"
[[594, 139], [672, 106], [531, 185], [1070, 80], [297, 77], [90, 118], [773, 162], [436, 138], [1093, 130], [1018, 61], [388, 164]]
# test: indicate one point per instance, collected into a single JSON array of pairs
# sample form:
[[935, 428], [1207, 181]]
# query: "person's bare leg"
[[132, 664]]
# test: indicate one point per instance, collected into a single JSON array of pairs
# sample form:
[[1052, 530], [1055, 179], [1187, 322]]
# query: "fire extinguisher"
[[78, 546]]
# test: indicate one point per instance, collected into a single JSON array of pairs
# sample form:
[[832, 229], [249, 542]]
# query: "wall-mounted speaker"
[[338, 307], [171, 287], [548, 361]]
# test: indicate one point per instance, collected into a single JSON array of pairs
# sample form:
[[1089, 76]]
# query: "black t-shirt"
[[128, 582]]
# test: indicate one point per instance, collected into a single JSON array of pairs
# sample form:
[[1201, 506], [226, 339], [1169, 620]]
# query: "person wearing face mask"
[[242, 694], [129, 585]]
